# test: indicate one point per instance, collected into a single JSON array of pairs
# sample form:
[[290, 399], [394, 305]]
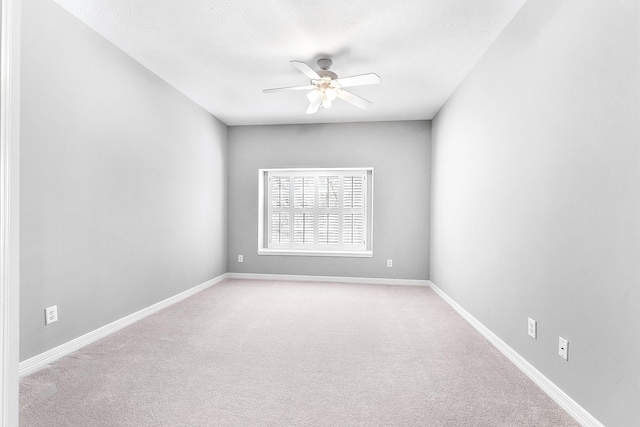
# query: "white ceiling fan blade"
[[314, 105], [359, 80], [280, 89], [354, 99], [306, 70]]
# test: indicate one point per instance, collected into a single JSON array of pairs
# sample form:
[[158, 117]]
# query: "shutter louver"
[[303, 192], [280, 193], [353, 202], [303, 201], [280, 215], [328, 192], [328, 229], [352, 229], [303, 228], [353, 192], [280, 227]]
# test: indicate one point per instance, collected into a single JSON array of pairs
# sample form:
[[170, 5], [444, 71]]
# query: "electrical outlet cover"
[[533, 328], [50, 315], [563, 348]]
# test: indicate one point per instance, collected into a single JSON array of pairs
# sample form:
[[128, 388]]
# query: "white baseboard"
[[35, 363], [560, 397], [334, 279]]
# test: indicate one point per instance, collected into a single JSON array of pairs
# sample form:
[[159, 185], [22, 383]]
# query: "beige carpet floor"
[[253, 353]]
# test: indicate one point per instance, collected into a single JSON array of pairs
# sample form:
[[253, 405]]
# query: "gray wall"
[[123, 183], [536, 197], [399, 152]]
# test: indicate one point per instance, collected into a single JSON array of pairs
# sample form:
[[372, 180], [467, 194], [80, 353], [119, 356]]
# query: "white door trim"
[[9, 211]]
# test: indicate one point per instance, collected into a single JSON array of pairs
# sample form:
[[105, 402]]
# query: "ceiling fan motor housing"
[[327, 73], [324, 63]]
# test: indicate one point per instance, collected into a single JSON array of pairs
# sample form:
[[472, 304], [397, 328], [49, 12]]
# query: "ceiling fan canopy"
[[325, 86]]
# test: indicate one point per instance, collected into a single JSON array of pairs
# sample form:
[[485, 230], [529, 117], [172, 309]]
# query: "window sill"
[[300, 252]]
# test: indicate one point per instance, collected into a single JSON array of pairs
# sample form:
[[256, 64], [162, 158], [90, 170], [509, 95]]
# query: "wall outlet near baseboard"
[[389, 263], [563, 348], [240, 258], [50, 315], [533, 328]]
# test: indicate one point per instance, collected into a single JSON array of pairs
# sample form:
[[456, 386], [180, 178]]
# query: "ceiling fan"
[[325, 86]]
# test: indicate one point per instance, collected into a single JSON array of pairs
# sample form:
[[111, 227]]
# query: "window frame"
[[264, 209]]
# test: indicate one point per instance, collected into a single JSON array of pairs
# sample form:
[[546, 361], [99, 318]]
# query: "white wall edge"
[[9, 211], [553, 391], [334, 279], [43, 359]]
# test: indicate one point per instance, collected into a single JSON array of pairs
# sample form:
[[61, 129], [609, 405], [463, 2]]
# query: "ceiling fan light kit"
[[325, 86]]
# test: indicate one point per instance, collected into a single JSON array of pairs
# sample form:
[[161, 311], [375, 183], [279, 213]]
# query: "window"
[[315, 212]]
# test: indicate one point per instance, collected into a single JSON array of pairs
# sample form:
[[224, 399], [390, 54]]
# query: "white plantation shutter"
[[353, 210], [328, 192], [280, 227], [328, 229], [317, 209], [352, 232], [303, 229], [303, 191], [280, 214], [303, 208], [329, 210], [353, 191], [280, 194]]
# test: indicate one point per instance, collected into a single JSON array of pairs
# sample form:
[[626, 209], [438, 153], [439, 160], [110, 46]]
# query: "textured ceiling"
[[222, 53]]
